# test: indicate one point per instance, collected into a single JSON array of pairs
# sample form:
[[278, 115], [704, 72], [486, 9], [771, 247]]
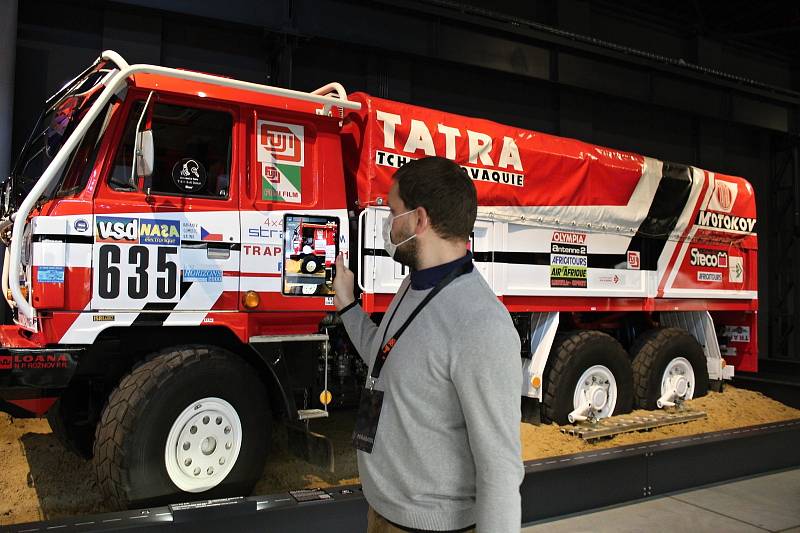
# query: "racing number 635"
[[109, 274]]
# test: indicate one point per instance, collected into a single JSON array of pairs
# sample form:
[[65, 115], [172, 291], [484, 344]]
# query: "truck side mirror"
[[145, 155], [143, 148]]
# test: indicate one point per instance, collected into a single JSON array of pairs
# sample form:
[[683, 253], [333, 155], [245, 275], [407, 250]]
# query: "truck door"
[[174, 247]]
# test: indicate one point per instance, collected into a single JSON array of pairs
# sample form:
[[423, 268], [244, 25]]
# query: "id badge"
[[369, 411]]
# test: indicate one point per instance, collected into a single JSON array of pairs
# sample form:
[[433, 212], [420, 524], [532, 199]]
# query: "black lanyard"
[[384, 352]]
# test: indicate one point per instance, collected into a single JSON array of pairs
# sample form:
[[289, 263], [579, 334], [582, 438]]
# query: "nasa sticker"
[[189, 175]]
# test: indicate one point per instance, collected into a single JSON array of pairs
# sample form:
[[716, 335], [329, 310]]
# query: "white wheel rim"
[[203, 445], [309, 289], [311, 266], [679, 375], [598, 386]]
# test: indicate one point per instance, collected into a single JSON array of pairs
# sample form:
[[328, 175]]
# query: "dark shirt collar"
[[427, 278]]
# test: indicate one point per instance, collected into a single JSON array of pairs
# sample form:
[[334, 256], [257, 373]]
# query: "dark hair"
[[443, 188]]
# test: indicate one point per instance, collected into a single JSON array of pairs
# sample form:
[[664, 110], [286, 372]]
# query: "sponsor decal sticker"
[[708, 219], [189, 231], [121, 230], [708, 258], [256, 249], [189, 175], [206, 235], [715, 277], [634, 260], [280, 152], [724, 196], [737, 333], [202, 273], [50, 274], [556, 248], [34, 361], [81, 225], [568, 260], [736, 270], [612, 280], [117, 230], [103, 318], [160, 232]]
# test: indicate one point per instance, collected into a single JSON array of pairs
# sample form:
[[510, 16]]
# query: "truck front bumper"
[[31, 377]]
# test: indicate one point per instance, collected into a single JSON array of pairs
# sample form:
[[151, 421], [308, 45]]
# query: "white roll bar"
[[114, 84]]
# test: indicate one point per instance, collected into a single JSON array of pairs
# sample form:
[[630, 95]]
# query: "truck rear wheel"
[[587, 367], [192, 422], [668, 358]]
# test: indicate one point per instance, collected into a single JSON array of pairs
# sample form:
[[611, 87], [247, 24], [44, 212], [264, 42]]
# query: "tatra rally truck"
[[162, 326]]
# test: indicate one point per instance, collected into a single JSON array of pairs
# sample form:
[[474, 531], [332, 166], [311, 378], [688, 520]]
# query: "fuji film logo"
[[634, 260], [281, 141], [271, 174]]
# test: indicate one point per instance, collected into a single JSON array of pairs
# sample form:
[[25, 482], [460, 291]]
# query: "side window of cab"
[[192, 151]]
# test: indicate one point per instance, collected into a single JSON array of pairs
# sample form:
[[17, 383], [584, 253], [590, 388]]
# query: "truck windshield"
[[50, 133]]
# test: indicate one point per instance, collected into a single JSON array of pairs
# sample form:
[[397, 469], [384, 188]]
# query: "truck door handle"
[[218, 253]]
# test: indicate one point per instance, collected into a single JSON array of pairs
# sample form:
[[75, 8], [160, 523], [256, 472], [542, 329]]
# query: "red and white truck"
[[313, 245], [147, 218]]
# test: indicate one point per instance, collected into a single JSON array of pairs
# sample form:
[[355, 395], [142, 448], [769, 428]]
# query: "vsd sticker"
[[116, 229]]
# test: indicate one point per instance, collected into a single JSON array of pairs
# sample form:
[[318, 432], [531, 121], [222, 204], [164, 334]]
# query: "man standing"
[[437, 432]]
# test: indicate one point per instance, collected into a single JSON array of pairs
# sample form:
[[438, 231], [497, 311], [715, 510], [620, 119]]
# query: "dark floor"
[[765, 503]]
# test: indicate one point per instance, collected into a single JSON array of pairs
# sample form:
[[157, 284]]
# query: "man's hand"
[[343, 284]]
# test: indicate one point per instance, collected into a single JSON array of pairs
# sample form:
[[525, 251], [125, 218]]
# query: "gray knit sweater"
[[447, 449]]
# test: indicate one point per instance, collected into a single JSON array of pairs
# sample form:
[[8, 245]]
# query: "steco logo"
[[281, 142]]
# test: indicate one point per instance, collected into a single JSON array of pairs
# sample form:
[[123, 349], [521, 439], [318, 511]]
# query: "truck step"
[[310, 337], [615, 425], [307, 414]]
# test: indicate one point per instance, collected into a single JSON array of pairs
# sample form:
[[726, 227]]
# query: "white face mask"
[[388, 245]]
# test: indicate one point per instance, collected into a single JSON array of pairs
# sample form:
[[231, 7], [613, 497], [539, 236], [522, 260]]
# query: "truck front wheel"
[[311, 264], [191, 422]]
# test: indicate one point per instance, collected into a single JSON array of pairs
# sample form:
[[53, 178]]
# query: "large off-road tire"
[[76, 436], [585, 355], [661, 352], [193, 422]]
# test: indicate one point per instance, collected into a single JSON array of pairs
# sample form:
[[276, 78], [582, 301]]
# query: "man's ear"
[[423, 220]]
